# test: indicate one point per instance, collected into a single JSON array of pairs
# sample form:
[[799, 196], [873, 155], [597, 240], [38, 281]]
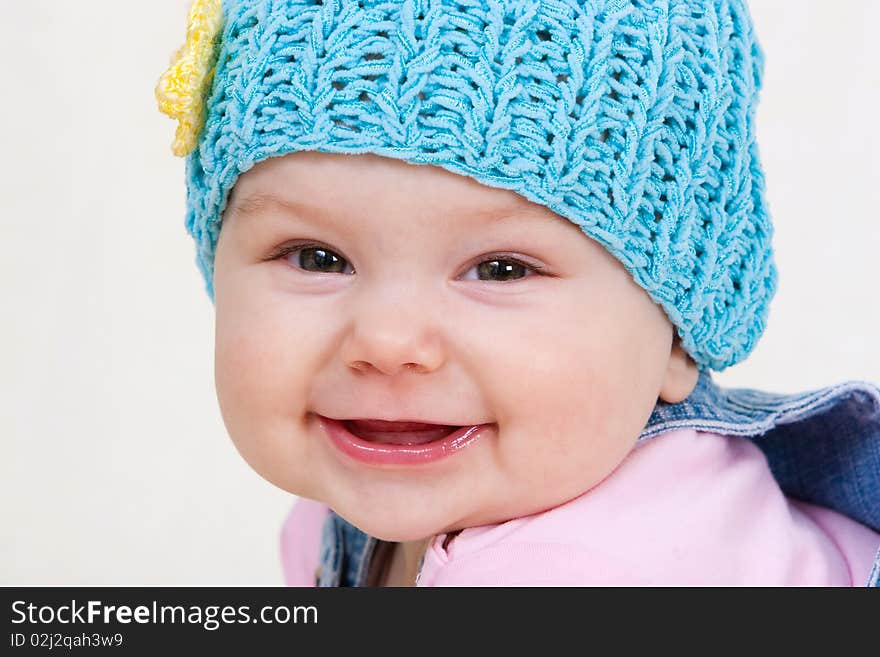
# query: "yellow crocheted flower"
[[181, 89]]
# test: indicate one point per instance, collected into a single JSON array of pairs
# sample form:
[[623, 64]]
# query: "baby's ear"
[[681, 374]]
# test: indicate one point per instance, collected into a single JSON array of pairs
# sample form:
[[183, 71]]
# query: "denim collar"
[[823, 447]]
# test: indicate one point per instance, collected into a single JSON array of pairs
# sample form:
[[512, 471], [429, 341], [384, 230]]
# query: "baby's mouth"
[[398, 433]]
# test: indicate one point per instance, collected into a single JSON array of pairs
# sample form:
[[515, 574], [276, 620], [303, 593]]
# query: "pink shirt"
[[685, 508]]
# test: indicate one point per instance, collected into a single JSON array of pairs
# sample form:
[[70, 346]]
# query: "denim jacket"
[[823, 447]]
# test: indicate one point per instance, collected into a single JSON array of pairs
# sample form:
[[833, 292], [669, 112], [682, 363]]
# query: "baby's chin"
[[401, 525]]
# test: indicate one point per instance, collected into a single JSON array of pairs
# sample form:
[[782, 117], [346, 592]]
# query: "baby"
[[472, 264]]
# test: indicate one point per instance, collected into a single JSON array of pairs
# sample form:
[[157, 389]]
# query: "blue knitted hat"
[[634, 119]]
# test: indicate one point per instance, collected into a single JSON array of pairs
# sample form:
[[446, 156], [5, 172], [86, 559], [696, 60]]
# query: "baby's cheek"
[[602, 423], [260, 382], [246, 380], [236, 362]]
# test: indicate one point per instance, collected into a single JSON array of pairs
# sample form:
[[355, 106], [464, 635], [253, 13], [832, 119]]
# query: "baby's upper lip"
[[397, 423]]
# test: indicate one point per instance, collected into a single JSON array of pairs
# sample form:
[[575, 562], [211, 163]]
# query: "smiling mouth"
[[399, 444], [398, 433]]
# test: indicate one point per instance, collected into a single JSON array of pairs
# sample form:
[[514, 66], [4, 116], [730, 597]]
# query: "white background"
[[116, 467]]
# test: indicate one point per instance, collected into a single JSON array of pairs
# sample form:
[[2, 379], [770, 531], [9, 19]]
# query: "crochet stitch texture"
[[634, 119]]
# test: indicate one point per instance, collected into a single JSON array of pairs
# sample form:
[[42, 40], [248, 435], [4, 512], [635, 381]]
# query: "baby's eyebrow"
[[257, 202]]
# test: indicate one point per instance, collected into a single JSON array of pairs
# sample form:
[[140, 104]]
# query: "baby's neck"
[[404, 562]]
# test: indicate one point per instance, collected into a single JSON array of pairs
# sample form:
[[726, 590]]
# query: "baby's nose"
[[392, 348]]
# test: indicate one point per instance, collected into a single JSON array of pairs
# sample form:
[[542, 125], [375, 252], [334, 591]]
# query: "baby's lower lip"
[[441, 442]]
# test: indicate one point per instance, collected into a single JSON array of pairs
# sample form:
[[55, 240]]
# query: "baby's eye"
[[319, 259], [501, 267], [313, 258]]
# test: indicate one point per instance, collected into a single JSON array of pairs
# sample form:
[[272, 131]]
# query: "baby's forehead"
[[368, 182]]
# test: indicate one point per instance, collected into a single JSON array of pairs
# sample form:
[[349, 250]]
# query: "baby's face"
[[416, 293]]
